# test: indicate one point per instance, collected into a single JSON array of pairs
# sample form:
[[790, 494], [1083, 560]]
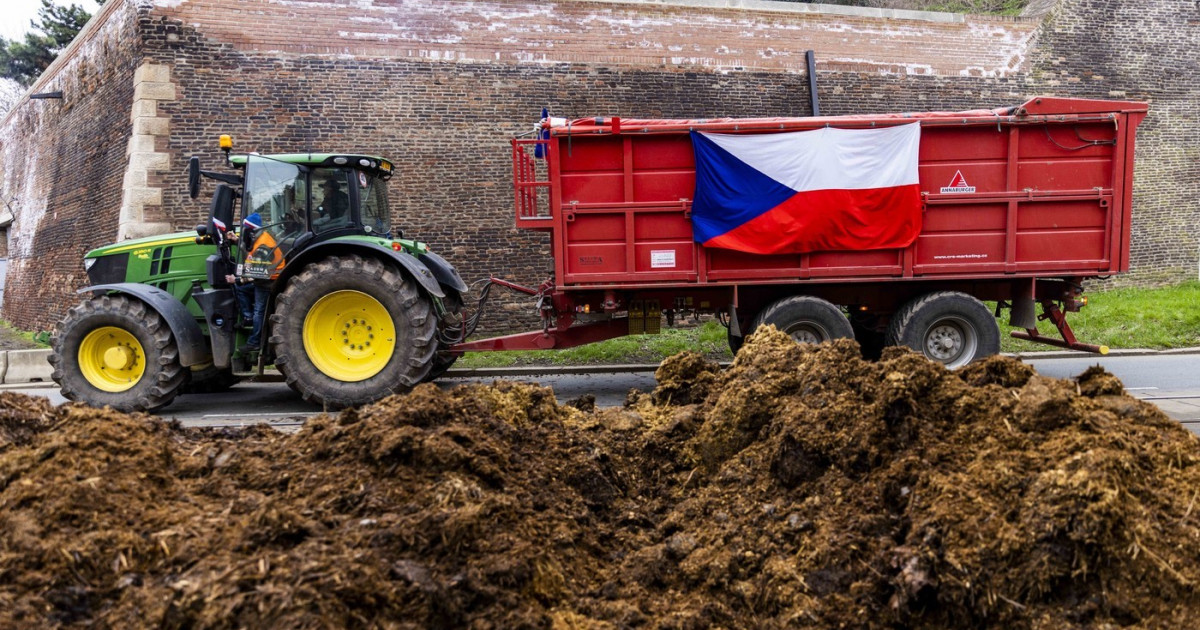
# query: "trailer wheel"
[[350, 330], [115, 350], [948, 327], [807, 319]]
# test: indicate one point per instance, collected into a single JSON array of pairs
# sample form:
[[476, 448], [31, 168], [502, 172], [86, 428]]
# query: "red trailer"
[[1017, 205]]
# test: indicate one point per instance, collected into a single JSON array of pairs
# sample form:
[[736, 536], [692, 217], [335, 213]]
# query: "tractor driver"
[[335, 204], [254, 290], [293, 214]]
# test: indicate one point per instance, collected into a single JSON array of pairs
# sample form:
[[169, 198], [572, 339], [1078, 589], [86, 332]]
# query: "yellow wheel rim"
[[349, 336], [112, 359]]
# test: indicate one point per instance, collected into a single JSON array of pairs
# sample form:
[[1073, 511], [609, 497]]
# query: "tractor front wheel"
[[114, 350], [350, 330]]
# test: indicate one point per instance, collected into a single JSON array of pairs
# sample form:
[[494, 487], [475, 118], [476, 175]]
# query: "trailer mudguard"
[[193, 347], [415, 268], [445, 273]]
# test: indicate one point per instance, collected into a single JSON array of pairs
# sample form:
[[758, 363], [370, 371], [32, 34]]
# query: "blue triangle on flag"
[[729, 192]]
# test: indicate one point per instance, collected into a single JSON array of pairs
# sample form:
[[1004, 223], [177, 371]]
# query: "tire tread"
[[318, 389]]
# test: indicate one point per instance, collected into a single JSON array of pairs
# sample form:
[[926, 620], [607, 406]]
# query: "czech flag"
[[823, 190]]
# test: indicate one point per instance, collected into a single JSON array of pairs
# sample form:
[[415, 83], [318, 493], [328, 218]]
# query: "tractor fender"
[[193, 347], [445, 273], [414, 267]]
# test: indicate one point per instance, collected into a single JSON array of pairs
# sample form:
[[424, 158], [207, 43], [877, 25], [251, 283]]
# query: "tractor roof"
[[366, 162]]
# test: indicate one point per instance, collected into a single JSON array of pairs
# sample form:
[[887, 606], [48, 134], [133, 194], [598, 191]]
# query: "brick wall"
[[1139, 50], [688, 34], [62, 164], [440, 87]]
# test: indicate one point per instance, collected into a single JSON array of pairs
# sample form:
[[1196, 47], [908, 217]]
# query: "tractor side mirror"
[[194, 177]]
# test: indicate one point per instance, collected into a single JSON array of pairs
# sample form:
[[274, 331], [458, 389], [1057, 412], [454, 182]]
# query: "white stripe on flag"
[[829, 158]]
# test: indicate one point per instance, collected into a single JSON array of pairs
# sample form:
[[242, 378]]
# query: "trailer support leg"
[[1051, 312]]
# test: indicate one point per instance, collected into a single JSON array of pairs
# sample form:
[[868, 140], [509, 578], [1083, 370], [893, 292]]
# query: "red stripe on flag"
[[831, 220]]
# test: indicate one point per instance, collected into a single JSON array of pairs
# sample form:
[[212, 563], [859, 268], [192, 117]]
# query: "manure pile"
[[801, 488]]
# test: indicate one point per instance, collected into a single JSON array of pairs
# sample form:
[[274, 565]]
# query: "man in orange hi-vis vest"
[[263, 263]]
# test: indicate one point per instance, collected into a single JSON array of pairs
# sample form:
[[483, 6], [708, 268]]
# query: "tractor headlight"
[[88, 262]]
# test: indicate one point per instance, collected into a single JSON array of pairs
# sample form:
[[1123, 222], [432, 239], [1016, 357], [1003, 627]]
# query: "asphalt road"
[[1171, 381]]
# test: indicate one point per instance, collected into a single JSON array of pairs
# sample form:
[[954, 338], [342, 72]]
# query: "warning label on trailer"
[[662, 259], [958, 185]]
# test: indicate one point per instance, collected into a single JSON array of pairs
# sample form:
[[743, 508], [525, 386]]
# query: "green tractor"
[[353, 312]]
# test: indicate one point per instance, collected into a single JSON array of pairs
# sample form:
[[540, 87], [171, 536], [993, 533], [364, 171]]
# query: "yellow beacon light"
[[225, 142]]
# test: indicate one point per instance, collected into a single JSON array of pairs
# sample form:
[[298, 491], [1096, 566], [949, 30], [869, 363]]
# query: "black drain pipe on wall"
[[811, 58]]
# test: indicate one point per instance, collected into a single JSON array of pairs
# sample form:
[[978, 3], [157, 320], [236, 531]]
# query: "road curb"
[[1073, 354]]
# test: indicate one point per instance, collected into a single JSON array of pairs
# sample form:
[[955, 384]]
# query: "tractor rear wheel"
[[807, 319], [350, 330], [115, 350]]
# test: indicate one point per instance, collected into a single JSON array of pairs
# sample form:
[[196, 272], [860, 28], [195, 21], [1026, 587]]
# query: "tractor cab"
[[296, 200], [292, 201]]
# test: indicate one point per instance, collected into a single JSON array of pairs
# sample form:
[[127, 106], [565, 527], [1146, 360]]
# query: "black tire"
[[807, 319], [211, 380], [408, 359], [117, 317], [443, 360], [951, 328]]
